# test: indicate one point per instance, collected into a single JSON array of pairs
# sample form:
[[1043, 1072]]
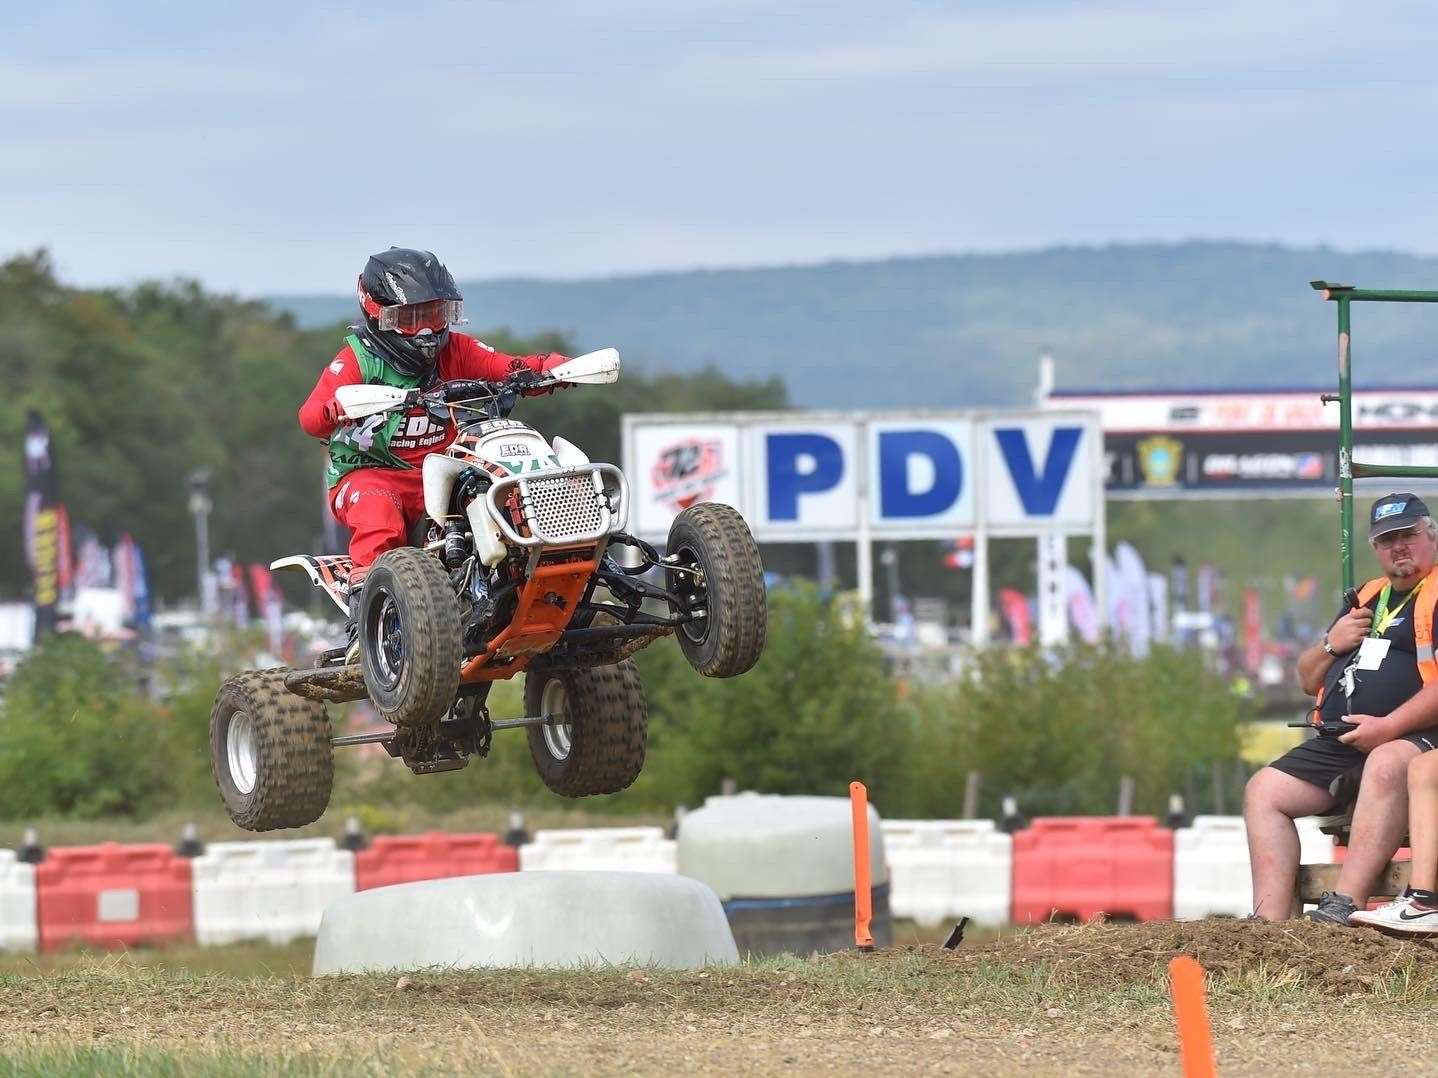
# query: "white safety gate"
[[944, 869], [273, 891], [18, 931], [615, 849], [1210, 865]]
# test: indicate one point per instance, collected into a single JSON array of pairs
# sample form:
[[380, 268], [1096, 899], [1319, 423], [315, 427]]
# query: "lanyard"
[[1382, 616]]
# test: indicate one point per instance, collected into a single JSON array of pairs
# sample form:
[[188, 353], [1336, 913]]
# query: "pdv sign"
[[814, 476]]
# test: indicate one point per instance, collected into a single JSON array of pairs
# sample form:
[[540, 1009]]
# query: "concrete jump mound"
[[523, 919]]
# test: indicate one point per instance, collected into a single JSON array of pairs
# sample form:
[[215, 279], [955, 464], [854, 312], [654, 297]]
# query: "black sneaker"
[[1333, 908]]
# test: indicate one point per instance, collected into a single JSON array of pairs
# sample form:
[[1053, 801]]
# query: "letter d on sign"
[[803, 463], [897, 498]]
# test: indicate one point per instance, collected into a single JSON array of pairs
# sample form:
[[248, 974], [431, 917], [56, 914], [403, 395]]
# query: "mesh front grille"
[[566, 507]]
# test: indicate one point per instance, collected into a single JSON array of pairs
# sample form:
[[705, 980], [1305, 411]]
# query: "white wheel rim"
[[554, 704], [240, 750]]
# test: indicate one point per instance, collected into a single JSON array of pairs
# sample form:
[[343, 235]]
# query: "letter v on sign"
[[1038, 491]]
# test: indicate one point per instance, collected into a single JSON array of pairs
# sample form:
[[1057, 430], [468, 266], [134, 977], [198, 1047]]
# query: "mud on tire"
[[729, 639], [409, 636], [270, 752], [600, 747]]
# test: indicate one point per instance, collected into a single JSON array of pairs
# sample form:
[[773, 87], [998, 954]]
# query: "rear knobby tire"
[[599, 748], [409, 636], [270, 752], [729, 639]]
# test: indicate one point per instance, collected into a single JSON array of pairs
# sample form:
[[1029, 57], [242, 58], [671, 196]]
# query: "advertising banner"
[[683, 466], [805, 477], [1261, 411], [1235, 464], [45, 529], [1251, 444]]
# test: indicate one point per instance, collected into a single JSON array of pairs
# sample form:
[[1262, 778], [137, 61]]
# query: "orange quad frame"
[[544, 610]]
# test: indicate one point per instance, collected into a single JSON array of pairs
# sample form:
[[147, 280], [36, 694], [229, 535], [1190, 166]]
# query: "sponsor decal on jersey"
[[419, 432]]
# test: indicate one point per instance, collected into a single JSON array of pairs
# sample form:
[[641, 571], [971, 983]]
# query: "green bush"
[[77, 739], [818, 711], [1058, 732]]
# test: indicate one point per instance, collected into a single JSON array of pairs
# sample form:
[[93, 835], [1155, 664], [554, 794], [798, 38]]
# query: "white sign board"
[[799, 477], [1040, 474], [803, 479], [681, 467]]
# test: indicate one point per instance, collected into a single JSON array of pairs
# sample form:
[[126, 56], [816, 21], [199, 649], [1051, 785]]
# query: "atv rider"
[[408, 301]]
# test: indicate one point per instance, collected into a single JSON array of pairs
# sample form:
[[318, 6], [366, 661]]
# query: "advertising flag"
[[42, 523]]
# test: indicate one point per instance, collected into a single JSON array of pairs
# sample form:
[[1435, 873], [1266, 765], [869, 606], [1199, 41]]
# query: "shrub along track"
[[1056, 1000]]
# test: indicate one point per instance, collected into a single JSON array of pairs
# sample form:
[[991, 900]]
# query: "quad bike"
[[514, 569]]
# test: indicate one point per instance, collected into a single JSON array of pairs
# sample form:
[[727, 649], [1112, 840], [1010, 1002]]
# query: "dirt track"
[[1058, 1000]]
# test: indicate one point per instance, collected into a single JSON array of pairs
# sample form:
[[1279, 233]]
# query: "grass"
[[253, 1011]]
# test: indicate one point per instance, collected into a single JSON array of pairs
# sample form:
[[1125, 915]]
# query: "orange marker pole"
[[863, 887], [1190, 1012]]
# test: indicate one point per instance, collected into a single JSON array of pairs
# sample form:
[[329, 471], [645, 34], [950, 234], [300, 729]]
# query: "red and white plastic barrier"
[[431, 856], [946, 869], [18, 930], [600, 849], [127, 895], [273, 891], [113, 896]]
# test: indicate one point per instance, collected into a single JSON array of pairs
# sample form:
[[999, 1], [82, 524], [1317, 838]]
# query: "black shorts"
[[1320, 760]]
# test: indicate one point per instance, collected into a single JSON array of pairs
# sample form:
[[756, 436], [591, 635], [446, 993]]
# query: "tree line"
[[144, 385]]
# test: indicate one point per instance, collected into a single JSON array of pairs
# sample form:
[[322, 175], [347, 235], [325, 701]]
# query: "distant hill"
[[963, 330]]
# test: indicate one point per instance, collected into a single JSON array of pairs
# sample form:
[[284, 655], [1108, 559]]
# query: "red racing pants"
[[378, 506]]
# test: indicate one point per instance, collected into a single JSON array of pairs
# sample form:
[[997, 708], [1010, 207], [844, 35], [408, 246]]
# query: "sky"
[[268, 148]]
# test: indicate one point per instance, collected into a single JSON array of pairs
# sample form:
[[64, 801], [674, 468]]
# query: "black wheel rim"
[[384, 638], [686, 585]]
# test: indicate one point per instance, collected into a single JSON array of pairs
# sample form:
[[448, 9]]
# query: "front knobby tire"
[[728, 640], [409, 636], [598, 741], [270, 752]]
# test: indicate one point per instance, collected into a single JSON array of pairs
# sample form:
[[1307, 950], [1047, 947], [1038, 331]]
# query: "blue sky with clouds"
[[269, 147]]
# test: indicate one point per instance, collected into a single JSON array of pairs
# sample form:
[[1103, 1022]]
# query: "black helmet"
[[409, 302]]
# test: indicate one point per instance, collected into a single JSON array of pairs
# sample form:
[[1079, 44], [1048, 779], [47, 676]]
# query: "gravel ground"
[[1054, 1000]]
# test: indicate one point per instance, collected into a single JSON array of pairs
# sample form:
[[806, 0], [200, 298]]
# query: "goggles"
[[410, 319]]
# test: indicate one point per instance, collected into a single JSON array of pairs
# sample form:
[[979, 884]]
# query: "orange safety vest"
[[1423, 609]]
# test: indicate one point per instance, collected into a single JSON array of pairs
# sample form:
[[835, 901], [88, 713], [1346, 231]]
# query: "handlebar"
[[498, 398]]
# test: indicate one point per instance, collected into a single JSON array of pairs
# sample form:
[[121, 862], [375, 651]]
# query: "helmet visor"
[[435, 315]]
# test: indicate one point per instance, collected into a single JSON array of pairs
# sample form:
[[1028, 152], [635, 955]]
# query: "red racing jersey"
[[420, 434]]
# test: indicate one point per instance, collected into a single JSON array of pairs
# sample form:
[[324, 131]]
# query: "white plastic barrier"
[[273, 891], [942, 869], [600, 849], [17, 904], [766, 846], [1210, 865]]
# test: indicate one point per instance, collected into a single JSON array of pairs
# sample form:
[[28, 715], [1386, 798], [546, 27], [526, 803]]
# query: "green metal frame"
[[1348, 469]]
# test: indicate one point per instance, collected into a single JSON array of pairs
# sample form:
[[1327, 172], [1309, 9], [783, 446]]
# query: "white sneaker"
[[1404, 916]]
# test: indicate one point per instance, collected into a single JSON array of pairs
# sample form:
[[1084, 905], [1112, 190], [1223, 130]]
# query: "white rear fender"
[[440, 473]]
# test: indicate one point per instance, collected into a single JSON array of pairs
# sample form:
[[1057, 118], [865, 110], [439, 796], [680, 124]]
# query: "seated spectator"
[[1376, 682]]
